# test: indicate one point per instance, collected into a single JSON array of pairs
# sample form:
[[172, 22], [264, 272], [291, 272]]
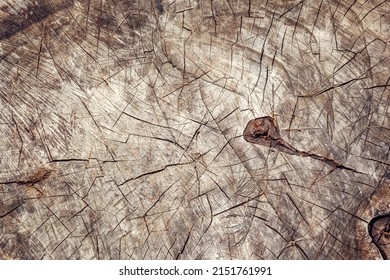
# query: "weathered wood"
[[122, 129]]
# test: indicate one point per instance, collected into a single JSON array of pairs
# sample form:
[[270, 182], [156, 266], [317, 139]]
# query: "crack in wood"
[[265, 131], [379, 231]]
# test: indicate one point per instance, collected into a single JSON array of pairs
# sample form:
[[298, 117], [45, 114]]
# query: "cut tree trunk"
[[122, 129]]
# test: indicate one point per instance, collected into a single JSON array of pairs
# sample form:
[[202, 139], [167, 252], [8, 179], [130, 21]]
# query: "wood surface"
[[122, 122]]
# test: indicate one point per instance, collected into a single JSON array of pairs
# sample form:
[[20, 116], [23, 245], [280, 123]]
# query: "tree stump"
[[122, 129]]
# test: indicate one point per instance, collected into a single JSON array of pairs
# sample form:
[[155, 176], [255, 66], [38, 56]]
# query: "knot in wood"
[[263, 131]]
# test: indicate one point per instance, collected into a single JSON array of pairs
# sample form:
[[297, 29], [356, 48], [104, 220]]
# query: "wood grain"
[[121, 129]]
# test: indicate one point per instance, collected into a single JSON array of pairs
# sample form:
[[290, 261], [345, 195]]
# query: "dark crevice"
[[379, 231], [265, 131]]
